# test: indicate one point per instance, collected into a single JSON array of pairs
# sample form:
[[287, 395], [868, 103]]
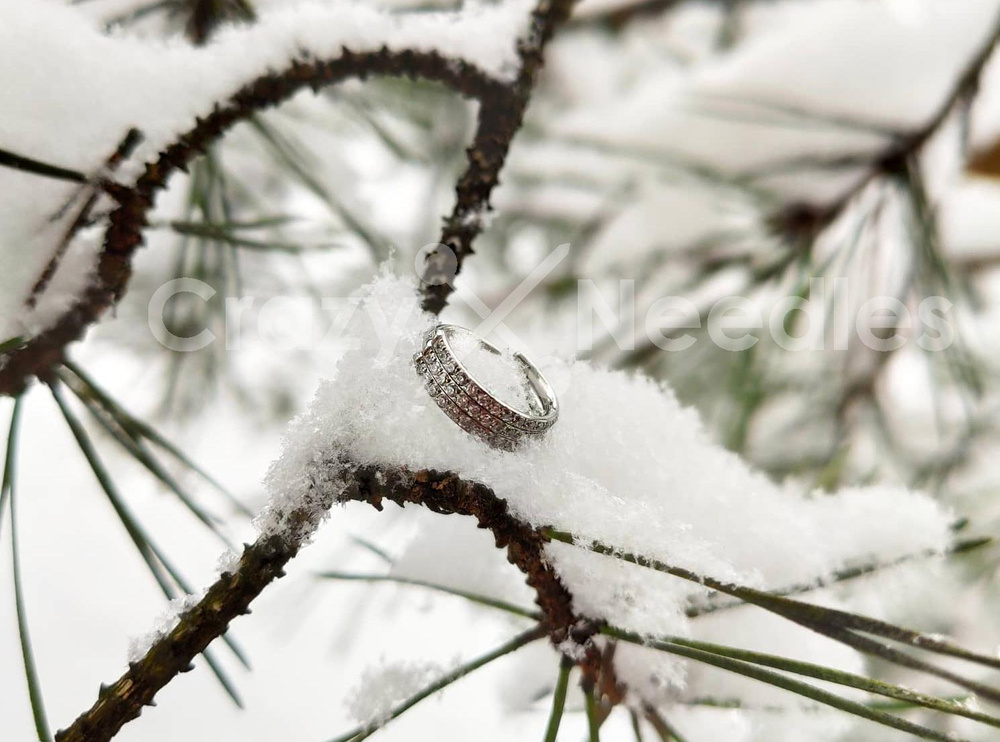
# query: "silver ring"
[[474, 408]]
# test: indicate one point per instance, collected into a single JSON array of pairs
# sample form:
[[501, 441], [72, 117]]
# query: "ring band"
[[474, 408]]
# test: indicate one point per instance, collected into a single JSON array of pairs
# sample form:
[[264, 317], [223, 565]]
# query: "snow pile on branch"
[[72, 92], [626, 464]]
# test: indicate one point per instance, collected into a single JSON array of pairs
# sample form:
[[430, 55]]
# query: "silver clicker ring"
[[473, 407]]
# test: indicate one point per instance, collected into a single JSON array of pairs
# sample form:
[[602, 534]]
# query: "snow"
[[165, 623], [383, 686], [626, 465], [57, 66], [449, 552], [498, 374]]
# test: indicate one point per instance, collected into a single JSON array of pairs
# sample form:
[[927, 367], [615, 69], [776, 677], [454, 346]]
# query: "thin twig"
[[501, 112]]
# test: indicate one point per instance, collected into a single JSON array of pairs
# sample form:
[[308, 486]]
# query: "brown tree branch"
[[92, 191], [501, 112], [127, 220], [263, 561]]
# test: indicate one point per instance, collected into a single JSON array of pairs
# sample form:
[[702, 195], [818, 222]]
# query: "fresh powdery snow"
[[72, 92], [625, 464], [385, 685]]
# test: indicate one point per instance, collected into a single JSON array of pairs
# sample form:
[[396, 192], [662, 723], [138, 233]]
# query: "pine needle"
[[636, 727], [37, 167], [8, 492], [169, 579], [139, 429], [558, 700], [664, 730], [12, 344], [593, 717], [472, 597], [838, 625], [137, 449], [888, 690], [372, 548], [778, 680]]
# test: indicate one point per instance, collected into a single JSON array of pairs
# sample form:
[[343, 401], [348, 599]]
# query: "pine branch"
[[501, 112], [124, 232], [229, 597], [847, 628], [166, 575], [264, 561], [101, 184]]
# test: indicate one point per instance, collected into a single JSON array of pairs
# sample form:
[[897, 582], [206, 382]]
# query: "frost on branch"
[[58, 66], [625, 465]]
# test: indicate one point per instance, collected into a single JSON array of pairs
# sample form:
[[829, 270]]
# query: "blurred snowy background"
[[700, 149]]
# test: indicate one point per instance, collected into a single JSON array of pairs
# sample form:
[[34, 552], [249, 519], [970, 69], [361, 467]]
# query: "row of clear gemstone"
[[460, 408], [438, 353]]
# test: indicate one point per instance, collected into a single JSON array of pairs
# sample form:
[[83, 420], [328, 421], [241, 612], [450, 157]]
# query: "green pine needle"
[[169, 579], [137, 429], [472, 597], [12, 344], [818, 672], [636, 727], [847, 628], [778, 680], [136, 447], [664, 730], [960, 547], [372, 548], [8, 492], [593, 717], [558, 700], [287, 155]]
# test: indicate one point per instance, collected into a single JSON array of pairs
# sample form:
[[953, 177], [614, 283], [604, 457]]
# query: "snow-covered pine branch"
[[161, 93]]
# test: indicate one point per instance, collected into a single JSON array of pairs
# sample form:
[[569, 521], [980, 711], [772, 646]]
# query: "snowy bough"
[[668, 574]]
